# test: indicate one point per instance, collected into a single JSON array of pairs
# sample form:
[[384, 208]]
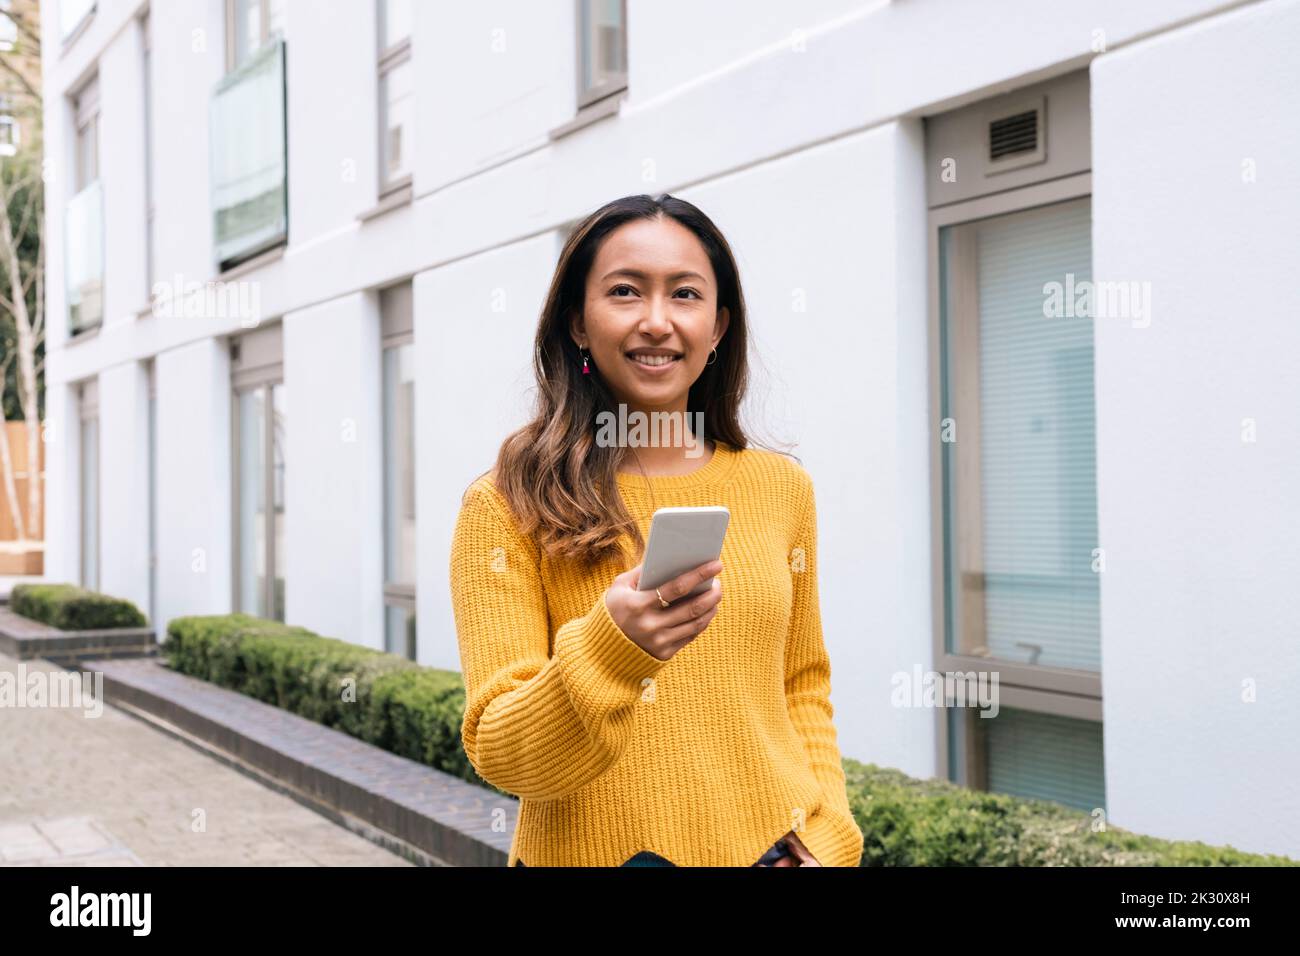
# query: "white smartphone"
[[682, 539]]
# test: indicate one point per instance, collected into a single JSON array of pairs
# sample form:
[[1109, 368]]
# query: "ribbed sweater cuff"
[[598, 657], [833, 838]]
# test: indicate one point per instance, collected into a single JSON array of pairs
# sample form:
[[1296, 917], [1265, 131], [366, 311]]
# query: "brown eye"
[[614, 290]]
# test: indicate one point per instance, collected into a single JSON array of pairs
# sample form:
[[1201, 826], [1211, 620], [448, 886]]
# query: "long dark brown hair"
[[559, 482]]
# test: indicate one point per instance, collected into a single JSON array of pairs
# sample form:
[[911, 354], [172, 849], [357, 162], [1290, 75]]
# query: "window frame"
[[587, 96], [85, 115], [1055, 690], [146, 66], [151, 375], [397, 329], [83, 105], [388, 60], [88, 411], [260, 371], [12, 138], [263, 31]]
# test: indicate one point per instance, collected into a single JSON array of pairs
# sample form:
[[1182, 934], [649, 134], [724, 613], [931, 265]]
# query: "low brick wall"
[[26, 639]]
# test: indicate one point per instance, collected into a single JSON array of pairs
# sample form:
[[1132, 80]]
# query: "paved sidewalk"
[[112, 791]]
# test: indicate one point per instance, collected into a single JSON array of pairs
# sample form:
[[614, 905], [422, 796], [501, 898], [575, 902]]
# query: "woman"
[[636, 729]]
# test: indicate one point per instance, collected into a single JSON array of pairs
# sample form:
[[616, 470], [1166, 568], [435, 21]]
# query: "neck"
[[658, 444], [667, 461], [656, 440]]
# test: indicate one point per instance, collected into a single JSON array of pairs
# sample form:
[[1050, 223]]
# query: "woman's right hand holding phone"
[[663, 631]]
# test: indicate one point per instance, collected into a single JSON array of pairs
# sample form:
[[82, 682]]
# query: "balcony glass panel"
[[249, 186], [84, 233]]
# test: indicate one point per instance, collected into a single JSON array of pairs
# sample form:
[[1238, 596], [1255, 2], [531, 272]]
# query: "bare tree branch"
[[33, 197], [38, 323], [30, 34], [14, 72], [28, 390], [6, 459]]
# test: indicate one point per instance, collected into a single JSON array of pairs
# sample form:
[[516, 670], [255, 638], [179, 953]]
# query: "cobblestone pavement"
[[109, 790]]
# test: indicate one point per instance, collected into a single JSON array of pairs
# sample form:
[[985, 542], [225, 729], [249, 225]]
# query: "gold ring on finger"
[[662, 602]]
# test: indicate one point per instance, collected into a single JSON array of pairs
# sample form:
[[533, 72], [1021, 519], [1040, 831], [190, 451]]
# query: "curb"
[[27, 640]]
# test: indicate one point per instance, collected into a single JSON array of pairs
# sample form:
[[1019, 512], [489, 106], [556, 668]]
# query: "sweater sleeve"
[[536, 724], [830, 832]]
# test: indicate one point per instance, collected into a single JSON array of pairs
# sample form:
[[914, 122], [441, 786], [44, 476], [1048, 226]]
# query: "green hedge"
[[417, 712], [380, 698], [912, 822], [71, 608]]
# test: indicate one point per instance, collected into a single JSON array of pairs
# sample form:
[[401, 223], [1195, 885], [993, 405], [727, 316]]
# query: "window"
[[399, 470], [249, 162], [251, 25], [153, 494], [1022, 511], [84, 232], [259, 443], [146, 57], [8, 28], [602, 49], [89, 483], [86, 107], [396, 95], [1035, 755], [9, 131], [1015, 473]]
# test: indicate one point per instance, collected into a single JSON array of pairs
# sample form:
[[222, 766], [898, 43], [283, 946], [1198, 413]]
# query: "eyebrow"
[[638, 274]]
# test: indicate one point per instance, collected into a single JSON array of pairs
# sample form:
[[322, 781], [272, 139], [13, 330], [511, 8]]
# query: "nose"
[[654, 323]]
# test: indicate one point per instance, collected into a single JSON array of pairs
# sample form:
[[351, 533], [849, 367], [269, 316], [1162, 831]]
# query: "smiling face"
[[650, 313]]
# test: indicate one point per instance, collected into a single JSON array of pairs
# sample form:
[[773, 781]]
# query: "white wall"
[[334, 506], [340, 167], [122, 163], [516, 58], [62, 484], [474, 328], [194, 480], [1199, 597], [124, 483], [188, 55], [720, 36]]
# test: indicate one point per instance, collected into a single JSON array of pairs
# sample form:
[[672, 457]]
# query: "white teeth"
[[653, 359]]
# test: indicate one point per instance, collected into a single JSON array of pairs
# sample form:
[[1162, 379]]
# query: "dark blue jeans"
[[646, 858]]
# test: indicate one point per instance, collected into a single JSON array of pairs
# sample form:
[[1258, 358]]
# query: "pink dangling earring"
[[585, 369]]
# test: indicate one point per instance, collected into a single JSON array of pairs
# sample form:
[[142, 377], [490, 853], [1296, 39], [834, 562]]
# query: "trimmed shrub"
[[913, 822], [377, 697], [71, 608], [417, 712]]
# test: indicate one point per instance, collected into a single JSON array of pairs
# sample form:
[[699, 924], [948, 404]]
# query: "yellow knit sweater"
[[707, 758]]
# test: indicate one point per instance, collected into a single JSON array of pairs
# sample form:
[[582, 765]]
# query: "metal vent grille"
[[1012, 135]]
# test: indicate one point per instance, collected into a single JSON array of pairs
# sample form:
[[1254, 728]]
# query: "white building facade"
[[1014, 280]]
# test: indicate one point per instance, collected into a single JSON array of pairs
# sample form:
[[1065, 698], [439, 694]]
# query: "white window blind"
[[1045, 757], [1021, 503]]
